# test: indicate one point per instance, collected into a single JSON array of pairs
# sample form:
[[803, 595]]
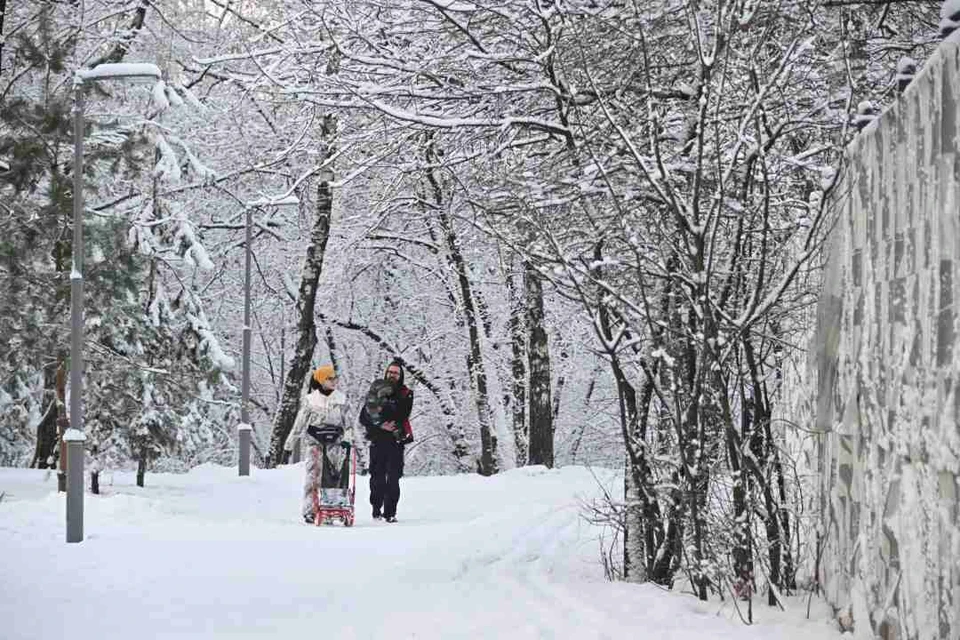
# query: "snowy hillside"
[[210, 555]]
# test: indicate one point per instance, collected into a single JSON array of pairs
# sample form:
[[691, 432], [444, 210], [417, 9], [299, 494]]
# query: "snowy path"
[[209, 555]]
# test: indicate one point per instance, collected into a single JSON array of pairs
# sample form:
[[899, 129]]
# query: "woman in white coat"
[[324, 405]]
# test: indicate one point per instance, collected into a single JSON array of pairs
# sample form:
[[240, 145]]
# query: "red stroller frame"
[[325, 513]]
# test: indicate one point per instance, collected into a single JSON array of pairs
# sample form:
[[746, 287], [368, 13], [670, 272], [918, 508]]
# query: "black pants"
[[386, 467]]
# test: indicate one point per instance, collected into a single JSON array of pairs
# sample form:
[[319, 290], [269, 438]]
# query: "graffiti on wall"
[[888, 369]]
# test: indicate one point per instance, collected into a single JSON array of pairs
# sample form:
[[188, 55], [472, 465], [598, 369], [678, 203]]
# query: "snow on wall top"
[[949, 47]]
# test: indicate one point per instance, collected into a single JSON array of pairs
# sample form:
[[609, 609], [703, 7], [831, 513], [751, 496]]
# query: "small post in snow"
[[243, 431], [74, 439]]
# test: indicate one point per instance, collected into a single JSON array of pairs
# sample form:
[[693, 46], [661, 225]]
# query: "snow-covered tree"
[[149, 357]]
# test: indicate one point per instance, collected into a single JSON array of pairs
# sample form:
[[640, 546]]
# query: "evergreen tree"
[[153, 384]]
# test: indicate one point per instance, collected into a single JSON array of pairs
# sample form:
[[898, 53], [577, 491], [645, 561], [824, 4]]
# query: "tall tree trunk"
[[742, 520], [777, 544], [50, 445], [642, 513], [142, 466], [635, 566], [63, 423], [652, 542], [488, 463], [789, 568], [538, 354], [582, 428], [3, 11], [767, 469], [306, 327], [44, 456], [741, 472], [558, 390], [283, 356], [475, 367], [518, 370], [634, 556], [95, 470]]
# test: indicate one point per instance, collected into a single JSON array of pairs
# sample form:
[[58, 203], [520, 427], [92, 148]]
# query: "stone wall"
[[888, 369]]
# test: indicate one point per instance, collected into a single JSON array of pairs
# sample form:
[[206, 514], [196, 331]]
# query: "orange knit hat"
[[324, 373]]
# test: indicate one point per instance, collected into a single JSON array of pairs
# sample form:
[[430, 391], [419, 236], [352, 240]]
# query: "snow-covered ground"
[[211, 555]]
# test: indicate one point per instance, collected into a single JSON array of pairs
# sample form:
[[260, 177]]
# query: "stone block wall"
[[888, 369]]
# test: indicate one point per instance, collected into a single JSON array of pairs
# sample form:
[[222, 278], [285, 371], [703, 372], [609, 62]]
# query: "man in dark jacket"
[[388, 432]]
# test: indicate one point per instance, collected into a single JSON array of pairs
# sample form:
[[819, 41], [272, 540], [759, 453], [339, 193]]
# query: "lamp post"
[[245, 427], [74, 437]]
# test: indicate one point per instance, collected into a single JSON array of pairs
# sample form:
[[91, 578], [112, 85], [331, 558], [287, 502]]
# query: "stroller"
[[338, 476]]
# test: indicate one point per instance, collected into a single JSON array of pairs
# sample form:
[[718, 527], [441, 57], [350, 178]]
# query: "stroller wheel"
[[348, 520]]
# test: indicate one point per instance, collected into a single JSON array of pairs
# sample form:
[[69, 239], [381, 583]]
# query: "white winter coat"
[[318, 409]]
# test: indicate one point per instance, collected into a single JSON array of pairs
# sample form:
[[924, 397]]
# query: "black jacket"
[[399, 414]]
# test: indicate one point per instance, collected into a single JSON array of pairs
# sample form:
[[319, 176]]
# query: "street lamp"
[[245, 427], [74, 436]]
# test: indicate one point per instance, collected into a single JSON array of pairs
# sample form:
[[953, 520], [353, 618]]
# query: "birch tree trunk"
[[3, 10], [306, 327], [477, 372], [558, 389], [518, 370], [634, 559], [488, 464], [538, 357]]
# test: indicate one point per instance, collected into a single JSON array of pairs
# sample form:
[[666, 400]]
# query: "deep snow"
[[210, 555]]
